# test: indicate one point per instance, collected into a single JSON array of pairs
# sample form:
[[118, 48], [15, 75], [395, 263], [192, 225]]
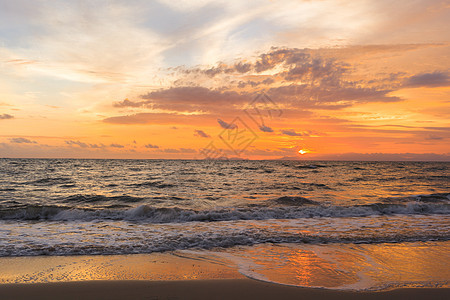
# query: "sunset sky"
[[249, 79]]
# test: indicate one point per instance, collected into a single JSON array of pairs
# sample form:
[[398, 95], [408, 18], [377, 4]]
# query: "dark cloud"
[[291, 132], [128, 103], [201, 133], [435, 79], [226, 125], [6, 117], [434, 137], [188, 99], [95, 146], [221, 68], [22, 141], [242, 67], [265, 128], [194, 98], [267, 81], [84, 145], [78, 143], [306, 80], [116, 145], [303, 61], [151, 146], [267, 61]]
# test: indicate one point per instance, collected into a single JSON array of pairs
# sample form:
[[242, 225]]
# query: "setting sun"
[[303, 151]]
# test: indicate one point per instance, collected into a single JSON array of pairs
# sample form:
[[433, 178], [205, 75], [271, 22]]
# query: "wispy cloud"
[[151, 146], [113, 145], [179, 150], [201, 133], [226, 125], [21, 140], [6, 117], [265, 128], [84, 145], [435, 79], [291, 132]]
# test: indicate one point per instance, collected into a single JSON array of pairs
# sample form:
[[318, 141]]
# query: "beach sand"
[[158, 276], [197, 289]]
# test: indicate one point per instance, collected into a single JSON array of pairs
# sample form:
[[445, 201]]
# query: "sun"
[[303, 151]]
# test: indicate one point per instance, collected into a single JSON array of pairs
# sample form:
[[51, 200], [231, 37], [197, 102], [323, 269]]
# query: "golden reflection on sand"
[[115, 267], [349, 266]]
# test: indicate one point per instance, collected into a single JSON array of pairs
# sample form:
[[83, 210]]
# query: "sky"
[[293, 79]]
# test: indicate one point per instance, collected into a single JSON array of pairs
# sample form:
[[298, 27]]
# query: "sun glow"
[[303, 151]]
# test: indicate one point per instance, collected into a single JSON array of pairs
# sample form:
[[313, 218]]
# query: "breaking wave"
[[286, 208]]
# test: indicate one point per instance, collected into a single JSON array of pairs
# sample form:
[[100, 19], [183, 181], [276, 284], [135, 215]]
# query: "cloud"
[[6, 117], [81, 144], [267, 81], [128, 103], [193, 98], [226, 125], [240, 68], [22, 141], [291, 132], [300, 80], [151, 146], [265, 128], [307, 97], [435, 79], [84, 145], [188, 99], [157, 118], [180, 150], [116, 145], [434, 137], [95, 146], [201, 133]]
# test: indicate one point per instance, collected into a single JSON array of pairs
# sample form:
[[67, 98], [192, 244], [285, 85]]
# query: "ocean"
[[328, 224]]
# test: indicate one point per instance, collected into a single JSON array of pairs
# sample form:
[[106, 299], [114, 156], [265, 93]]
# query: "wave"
[[125, 238], [157, 184], [49, 181], [202, 242], [289, 200], [430, 198], [316, 166], [100, 198], [295, 210]]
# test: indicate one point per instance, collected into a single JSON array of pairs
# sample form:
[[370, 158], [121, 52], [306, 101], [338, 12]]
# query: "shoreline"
[[204, 275], [336, 271], [200, 289]]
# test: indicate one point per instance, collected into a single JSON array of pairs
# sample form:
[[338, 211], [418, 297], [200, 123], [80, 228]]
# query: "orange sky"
[[197, 79]]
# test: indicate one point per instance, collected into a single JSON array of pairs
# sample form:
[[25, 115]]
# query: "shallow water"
[[344, 266]]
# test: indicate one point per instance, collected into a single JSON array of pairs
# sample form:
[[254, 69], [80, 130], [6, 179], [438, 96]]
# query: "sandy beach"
[[197, 289], [177, 275]]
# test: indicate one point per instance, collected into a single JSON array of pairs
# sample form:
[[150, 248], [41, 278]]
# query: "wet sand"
[[198, 289], [176, 275]]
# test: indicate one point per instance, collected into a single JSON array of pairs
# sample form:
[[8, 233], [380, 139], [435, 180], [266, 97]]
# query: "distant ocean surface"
[[89, 207]]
